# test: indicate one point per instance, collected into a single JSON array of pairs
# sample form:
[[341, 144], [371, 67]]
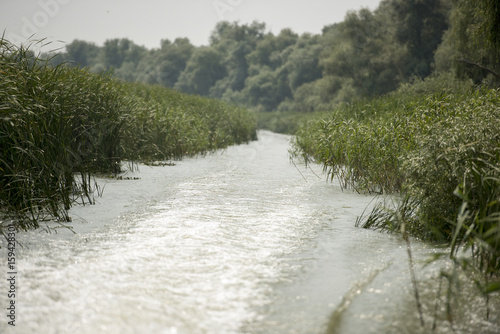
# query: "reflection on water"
[[236, 242]]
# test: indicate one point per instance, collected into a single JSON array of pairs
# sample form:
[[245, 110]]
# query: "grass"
[[434, 145], [60, 126], [51, 128], [167, 124]]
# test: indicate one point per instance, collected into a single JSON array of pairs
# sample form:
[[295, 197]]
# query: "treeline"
[[368, 54], [60, 126]]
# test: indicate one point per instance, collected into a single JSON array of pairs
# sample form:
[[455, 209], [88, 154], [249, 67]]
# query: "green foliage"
[[268, 52], [55, 122], [303, 61], [285, 122], [234, 42], [162, 66], [202, 71], [268, 83], [460, 135], [471, 47], [478, 225], [438, 148], [490, 25], [83, 53], [117, 52], [61, 125], [167, 124], [420, 28], [368, 54], [371, 53]]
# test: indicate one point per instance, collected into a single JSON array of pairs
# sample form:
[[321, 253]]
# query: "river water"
[[239, 241]]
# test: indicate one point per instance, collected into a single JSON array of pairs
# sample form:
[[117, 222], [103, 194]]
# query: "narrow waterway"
[[240, 241]]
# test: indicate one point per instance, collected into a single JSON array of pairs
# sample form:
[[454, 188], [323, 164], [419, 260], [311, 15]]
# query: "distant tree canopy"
[[369, 53], [471, 47]]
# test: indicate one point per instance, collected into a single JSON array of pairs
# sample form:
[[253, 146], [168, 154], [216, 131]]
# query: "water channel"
[[239, 241]]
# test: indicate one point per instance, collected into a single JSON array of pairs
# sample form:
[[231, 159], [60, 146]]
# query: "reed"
[[60, 126], [436, 144], [167, 124], [49, 130]]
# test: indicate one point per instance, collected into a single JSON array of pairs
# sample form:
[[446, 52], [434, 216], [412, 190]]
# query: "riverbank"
[[436, 144], [61, 126]]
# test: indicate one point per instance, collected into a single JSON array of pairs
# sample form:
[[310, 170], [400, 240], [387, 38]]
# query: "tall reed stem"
[[412, 273]]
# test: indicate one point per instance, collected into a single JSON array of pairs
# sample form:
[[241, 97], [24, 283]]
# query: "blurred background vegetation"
[[368, 54]]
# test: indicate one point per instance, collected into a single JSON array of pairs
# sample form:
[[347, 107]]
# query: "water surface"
[[240, 241]]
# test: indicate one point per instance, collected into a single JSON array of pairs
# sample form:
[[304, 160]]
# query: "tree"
[[372, 53], [202, 71], [471, 47], [362, 51], [116, 51], [234, 42], [302, 63], [82, 53], [420, 27], [268, 51], [113, 52], [261, 90], [172, 59]]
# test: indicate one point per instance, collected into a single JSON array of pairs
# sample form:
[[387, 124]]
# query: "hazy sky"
[[146, 22]]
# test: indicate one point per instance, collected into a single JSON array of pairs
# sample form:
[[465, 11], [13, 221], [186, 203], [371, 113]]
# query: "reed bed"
[[55, 123], [60, 126], [167, 124], [435, 145]]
